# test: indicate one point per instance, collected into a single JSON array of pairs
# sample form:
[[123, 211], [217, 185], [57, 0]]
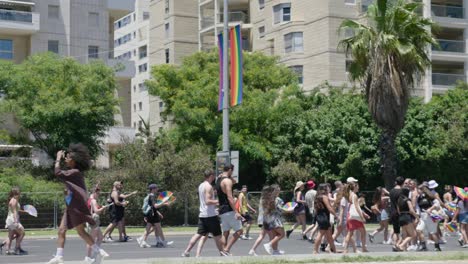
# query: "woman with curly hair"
[[380, 203], [12, 223], [272, 218], [77, 160]]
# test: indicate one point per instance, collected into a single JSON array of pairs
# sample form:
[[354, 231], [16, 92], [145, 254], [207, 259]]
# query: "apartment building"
[[131, 41], [173, 36], [82, 29]]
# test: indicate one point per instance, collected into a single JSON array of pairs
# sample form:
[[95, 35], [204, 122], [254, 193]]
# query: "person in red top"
[[76, 214]]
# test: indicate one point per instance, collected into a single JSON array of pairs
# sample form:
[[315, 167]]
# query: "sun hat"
[[298, 185], [432, 184], [351, 180], [310, 184]]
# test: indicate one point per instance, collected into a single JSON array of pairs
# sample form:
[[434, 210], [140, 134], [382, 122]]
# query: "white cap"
[[432, 184], [351, 180]]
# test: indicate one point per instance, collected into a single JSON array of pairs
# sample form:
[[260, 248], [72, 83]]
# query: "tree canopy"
[[59, 100]]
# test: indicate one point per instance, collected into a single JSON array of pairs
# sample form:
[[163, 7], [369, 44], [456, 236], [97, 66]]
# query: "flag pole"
[[226, 146]]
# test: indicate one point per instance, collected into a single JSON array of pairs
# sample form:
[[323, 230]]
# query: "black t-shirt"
[[224, 205], [394, 195], [403, 204], [424, 201]]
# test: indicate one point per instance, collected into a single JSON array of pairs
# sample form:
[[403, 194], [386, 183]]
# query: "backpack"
[[146, 208]]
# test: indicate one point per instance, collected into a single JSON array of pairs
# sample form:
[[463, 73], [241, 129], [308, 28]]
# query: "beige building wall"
[[173, 36]]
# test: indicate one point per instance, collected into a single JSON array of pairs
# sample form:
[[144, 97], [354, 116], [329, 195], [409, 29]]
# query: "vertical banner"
[[236, 65], [221, 79]]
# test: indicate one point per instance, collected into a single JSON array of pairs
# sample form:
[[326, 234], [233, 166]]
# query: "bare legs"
[[328, 236], [233, 240]]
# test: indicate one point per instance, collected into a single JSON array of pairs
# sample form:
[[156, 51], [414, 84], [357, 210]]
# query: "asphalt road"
[[41, 250]]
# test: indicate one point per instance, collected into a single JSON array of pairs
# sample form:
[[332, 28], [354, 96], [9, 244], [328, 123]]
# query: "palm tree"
[[390, 55]]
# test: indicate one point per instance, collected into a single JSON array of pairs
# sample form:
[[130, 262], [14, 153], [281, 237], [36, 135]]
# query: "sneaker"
[[103, 253], [442, 241], [139, 240], [243, 237], [252, 253], [371, 238], [338, 243], [388, 242], [185, 255], [412, 248], [429, 241], [460, 241], [465, 246], [304, 237], [276, 253], [128, 238], [143, 244], [225, 253], [108, 240], [358, 244], [268, 248], [288, 233], [1, 247], [20, 251], [88, 260], [249, 237], [56, 260]]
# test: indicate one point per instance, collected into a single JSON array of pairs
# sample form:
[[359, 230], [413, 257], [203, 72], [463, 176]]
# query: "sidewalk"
[[421, 257]]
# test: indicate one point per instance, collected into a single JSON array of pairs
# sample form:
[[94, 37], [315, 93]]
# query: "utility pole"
[[226, 147]]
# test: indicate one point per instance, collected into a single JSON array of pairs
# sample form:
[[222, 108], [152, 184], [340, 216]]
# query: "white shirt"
[[310, 200], [206, 210]]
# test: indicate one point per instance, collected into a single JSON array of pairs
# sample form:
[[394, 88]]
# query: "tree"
[[61, 101], [190, 92], [389, 55]]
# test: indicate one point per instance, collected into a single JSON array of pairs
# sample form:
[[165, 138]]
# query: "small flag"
[[452, 207], [221, 68], [452, 227], [236, 66]]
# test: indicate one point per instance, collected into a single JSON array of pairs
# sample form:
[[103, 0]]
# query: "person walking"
[[77, 160], [272, 219], [299, 210], [208, 221], [461, 216], [310, 196], [13, 224], [407, 217], [230, 218], [96, 211], [153, 218], [379, 208], [323, 210], [356, 217], [394, 216], [244, 211], [264, 231]]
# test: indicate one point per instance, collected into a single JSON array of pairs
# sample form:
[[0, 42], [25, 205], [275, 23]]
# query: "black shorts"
[[323, 221], [117, 214], [209, 225], [153, 218], [247, 218], [405, 219], [395, 223]]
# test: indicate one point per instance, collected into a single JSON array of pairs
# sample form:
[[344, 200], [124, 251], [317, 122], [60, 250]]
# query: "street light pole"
[[225, 81]]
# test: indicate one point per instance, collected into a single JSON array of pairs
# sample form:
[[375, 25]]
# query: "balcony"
[[450, 46], [18, 22], [448, 11], [235, 17], [446, 79]]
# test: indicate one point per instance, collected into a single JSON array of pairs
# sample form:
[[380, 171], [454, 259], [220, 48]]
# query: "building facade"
[[173, 36]]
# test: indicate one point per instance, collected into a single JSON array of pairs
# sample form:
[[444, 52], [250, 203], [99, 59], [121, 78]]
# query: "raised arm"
[[125, 196]]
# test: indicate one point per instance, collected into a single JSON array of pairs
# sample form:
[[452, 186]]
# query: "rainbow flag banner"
[[236, 66], [451, 227], [221, 94]]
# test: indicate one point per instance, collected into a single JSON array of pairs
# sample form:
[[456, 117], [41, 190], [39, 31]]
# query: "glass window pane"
[[53, 46]]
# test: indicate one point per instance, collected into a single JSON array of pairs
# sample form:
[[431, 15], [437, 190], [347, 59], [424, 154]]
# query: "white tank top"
[[205, 209]]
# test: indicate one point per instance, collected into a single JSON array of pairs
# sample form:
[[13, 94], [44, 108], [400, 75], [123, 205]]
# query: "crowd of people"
[[417, 213]]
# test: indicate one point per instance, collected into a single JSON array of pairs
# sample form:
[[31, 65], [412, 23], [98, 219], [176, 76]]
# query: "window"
[[166, 29], [54, 11], [261, 4], [167, 55], [93, 19], [282, 13], [293, 42], [134, 17], [6, 49], [134, 124], [134, 88], [53, 46], [299, 70], [140, 106], [123, 22], [142, 87], [143, 67], [161, 106], [134, 34], [261, 32], [122, 40], [146, 15], [143, 52], [134, 52], [134, 107], [93, 52], [166, 6]]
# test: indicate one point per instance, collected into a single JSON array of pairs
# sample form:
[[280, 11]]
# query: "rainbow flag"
[[452, 227], [236, 66], [221, 67], [452, 207]]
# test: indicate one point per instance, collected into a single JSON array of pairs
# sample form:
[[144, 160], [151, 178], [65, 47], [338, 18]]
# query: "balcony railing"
[[235, 16], [450, 45], [207, 22], [448, 11], [12, 15], [446, 79]]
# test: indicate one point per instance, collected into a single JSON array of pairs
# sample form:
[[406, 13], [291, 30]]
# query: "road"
[[41, 250]]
